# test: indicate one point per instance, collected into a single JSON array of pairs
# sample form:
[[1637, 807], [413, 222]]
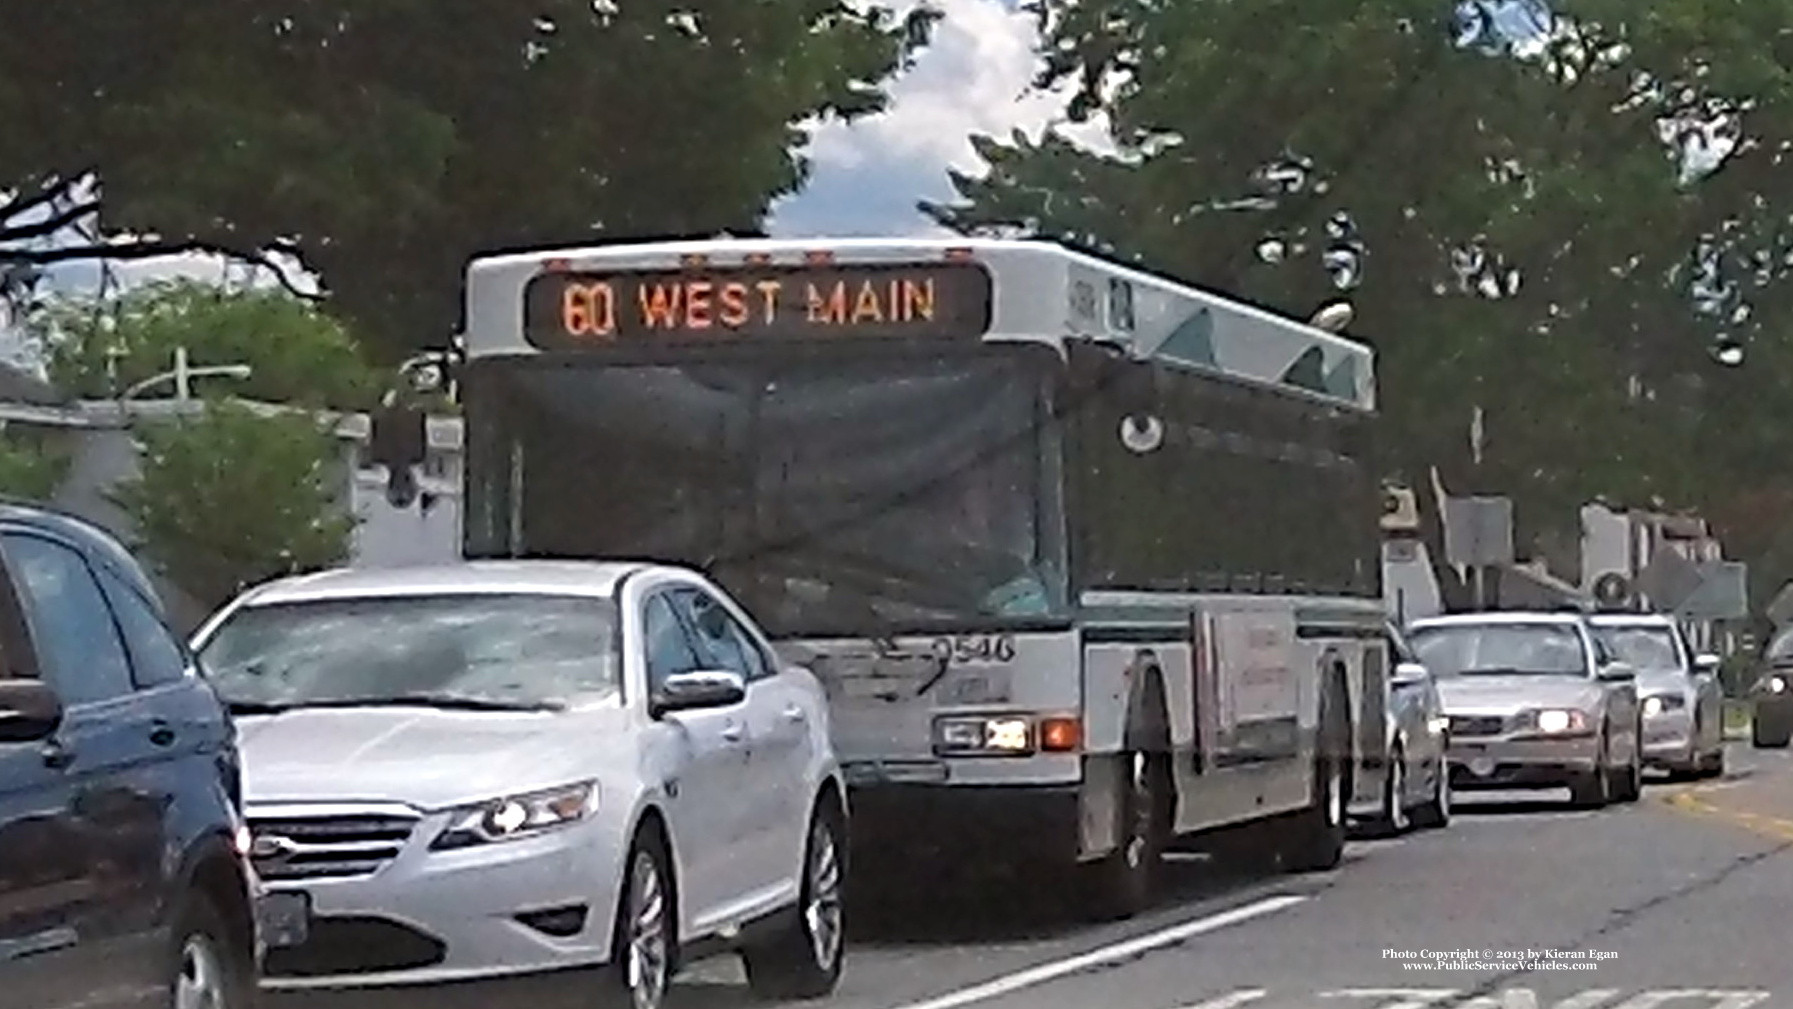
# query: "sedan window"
[[1649, 649], [452, 650]]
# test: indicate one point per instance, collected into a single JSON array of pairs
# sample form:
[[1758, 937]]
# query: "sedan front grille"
[[334, 845], [1477, 725]]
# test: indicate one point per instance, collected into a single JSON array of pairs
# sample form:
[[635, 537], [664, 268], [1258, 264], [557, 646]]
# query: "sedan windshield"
[[1645, 649], [457, 651], [1500, 649]]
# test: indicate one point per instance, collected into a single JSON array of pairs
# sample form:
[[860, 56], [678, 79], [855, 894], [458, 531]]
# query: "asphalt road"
[[1681, 901], [1684, 901]]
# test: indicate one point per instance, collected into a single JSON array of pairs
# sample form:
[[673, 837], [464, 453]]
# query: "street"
[[1677, 902], [1680, 900]]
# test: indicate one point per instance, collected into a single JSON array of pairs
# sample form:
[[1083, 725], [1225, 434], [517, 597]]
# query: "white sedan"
[[486, 770]]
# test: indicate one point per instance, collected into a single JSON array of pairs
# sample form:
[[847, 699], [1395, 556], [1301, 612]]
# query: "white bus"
[[1087, 559]]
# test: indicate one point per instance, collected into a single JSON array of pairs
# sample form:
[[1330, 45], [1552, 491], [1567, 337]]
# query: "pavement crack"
[[1621, 918]]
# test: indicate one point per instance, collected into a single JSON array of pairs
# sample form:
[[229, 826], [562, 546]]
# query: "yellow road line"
[[1690, 801]]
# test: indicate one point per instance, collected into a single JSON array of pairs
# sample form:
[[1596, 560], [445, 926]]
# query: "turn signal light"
[[1060, 735]]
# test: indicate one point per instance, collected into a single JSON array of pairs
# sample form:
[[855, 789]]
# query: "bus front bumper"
[[996, 822]]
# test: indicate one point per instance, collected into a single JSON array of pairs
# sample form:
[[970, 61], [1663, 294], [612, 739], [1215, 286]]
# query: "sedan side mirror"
[[29, 711], [1408, 674], [1617, 672], [703, 688], [1706, 663]]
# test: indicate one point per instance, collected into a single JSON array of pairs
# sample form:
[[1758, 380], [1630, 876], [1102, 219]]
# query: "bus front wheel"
[[1318, 843], [1121, 884]]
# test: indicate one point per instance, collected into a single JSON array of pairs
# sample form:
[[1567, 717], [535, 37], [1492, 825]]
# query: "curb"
[[1736, 719]]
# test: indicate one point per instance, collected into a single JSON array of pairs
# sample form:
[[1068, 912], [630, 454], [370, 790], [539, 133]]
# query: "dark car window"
[[157, 657], [724, 641], [668, 648], [71, 625]]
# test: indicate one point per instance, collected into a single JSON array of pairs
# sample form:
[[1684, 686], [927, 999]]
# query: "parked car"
[[1417, 788], [1771, 696], [495, 769], [124, 876], [1535, 700], [1683, 703]]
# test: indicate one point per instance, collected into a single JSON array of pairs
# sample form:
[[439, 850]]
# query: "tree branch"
[[154, 249], [47, 193], [47, 227]]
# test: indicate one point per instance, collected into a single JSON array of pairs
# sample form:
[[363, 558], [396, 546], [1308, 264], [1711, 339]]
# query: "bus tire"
[[1319, 837], [1122, 884]]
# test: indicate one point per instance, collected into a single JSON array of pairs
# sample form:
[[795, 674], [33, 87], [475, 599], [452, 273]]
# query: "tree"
[[232, 497], [30, 468], [385, 141], [99, 347], [1501, 210]]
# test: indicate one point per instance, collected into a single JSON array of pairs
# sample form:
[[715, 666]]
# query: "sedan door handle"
[[732, 733], [795, 713]]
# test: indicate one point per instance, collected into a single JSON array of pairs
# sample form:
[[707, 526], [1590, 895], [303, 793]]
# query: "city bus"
[[1088, 560]]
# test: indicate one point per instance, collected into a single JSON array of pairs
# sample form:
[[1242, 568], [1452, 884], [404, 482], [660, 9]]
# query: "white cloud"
[[975, 77]]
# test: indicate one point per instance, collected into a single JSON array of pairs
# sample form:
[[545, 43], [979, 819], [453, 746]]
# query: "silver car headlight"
[[1559, 721], [1657, 704], [1777, 685], [516, 816]]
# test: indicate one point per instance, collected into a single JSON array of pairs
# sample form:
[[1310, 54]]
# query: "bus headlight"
[[1007, 735], [984, 734]]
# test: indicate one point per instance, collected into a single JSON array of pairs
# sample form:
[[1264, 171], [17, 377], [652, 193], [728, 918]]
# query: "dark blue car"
[[124, 878]]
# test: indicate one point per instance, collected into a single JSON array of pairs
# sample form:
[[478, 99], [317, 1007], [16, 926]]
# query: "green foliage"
[[1596, 373], [389, 140], [30, 468], [232, 497], [297, 354]]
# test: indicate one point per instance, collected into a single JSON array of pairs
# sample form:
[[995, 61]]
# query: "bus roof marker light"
[[757, 259], [556, 265], [959, 254], [818, 257], [694, 260]]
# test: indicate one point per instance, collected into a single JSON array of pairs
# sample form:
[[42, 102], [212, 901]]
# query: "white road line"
[[1231, 1000], [1112, 953]]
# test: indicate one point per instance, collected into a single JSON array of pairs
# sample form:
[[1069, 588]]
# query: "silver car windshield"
[[456, 651], [1645, 649], [1500, 650]]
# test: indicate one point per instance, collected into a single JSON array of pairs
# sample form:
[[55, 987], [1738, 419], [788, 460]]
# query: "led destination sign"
[[577, 311]]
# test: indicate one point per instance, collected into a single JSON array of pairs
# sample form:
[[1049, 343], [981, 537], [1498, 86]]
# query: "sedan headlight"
[[1560, 721], [517, 816], [1777, 685], [1656, 704]]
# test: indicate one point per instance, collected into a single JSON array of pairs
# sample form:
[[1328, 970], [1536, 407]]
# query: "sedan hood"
[[1662, 681], [422, 757], [1499, 695]]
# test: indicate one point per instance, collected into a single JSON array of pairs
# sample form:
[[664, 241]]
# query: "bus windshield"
[[831, 494]]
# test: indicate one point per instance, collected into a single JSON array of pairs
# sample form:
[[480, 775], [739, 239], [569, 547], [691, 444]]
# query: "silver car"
[[1535, 700], [1416, 789], [1683, 703]]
